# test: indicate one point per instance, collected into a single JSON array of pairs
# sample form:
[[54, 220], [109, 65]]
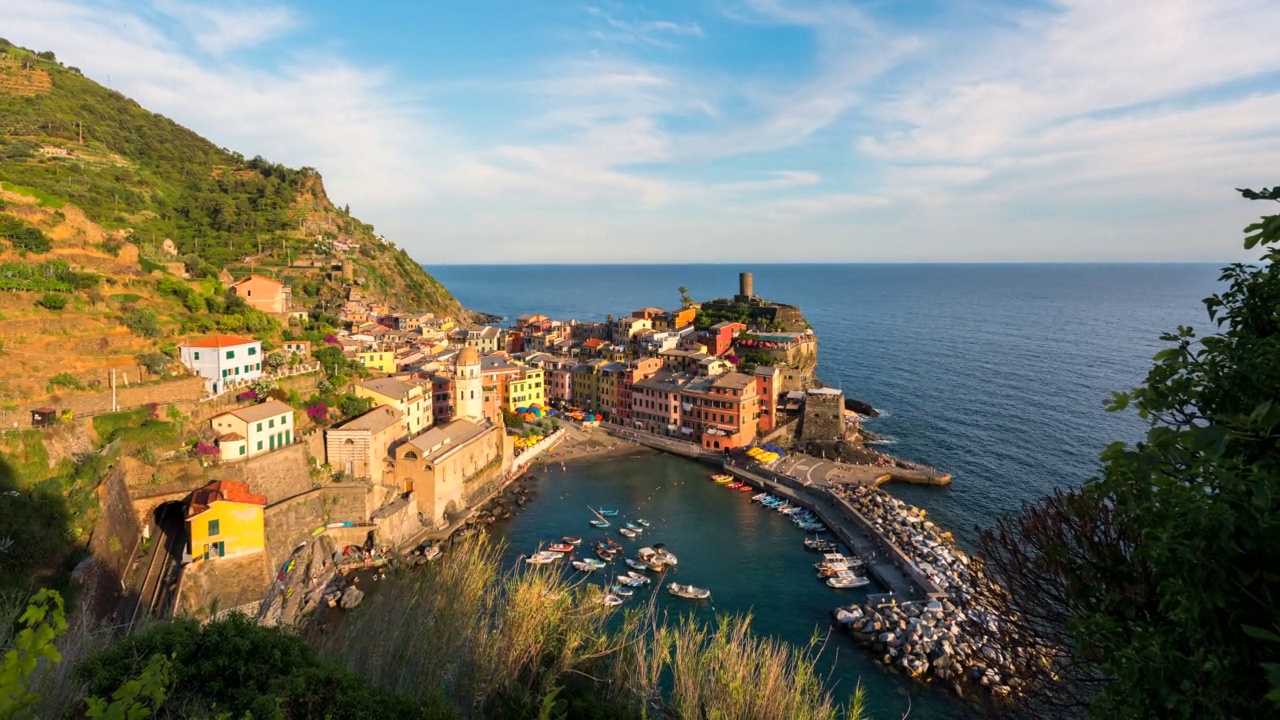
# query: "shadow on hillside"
[[35, 531]]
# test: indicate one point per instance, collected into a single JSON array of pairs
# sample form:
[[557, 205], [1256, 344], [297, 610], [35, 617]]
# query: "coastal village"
[[451, 414]]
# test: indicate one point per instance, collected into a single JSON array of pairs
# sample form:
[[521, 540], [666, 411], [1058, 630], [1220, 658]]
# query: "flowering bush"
[[331, 339], [247, 395], [318, 412], [204, 448]]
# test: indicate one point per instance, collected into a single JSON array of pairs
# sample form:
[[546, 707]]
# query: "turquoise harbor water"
[[751, 558], [996, 373]]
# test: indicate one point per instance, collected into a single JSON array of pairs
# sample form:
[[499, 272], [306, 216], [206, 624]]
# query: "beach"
[[588, 444]]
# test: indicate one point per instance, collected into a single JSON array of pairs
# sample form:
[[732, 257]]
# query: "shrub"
[[24, 238], [247, 395], [52, 301], [352, 406], [318, 411], [205, 449], [154, 363], [142, 321], [66, 380]]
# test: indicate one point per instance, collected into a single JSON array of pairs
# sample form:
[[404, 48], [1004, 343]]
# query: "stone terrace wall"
[[278, 475], [292, 521], [186, 390]]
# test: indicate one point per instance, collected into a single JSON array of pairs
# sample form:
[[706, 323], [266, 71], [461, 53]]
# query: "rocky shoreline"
[[954, 640]]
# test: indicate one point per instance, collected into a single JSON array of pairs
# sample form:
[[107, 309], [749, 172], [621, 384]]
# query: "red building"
[[719, 337], [768, 385]]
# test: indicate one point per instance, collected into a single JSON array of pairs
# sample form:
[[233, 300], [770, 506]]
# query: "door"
[[220, 548]]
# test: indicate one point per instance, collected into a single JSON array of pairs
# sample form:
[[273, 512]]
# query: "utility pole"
[[113, 390]]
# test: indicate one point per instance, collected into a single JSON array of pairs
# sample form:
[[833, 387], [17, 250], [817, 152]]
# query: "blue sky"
[[730, 130]]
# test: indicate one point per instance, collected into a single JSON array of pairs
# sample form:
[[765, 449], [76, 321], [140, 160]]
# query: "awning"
[[687, 431]]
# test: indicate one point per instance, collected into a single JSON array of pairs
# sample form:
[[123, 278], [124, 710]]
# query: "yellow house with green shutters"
[[527, 388], [224, 519], [382, 360]]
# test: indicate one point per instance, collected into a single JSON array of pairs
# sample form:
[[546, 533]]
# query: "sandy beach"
[[588, 444]]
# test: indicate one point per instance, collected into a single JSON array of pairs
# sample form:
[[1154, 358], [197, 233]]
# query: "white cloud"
[[220, 28]]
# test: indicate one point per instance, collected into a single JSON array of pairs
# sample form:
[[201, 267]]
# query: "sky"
[[531, 131]]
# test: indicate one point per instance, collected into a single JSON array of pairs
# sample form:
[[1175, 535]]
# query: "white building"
[[468, 403], [223, 359], [254, 430]]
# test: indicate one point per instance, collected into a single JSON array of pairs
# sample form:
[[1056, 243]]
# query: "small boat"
[[643, 522], [608, 513], [583, 566], [432, 552], [612, 600], [846, 579], [745, 488], [629, 534], [599, 523], [723, 479], [560, 548], [605, 554], [571, 540], [665, 558], [633, 527], [637, 579], [688, 591], [542, 557], [621, 591], [636, 564], [597, 564], [733, 485], [759, 497]]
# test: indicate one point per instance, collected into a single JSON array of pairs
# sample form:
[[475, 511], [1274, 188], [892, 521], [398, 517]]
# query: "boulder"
[[351, 598]]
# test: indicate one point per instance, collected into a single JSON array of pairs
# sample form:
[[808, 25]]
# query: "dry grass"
[[489, 640]]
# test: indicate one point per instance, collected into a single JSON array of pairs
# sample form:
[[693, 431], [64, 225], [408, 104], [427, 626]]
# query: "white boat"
[[688, 591], [629, 581], [666, 558], [637, 578], [636, 564], [643, 522], [612, 600], [599, 523], [583, 566], [846, 579], [759, 497], [621, 591], [542, 557], [629, 534], [595, 563]]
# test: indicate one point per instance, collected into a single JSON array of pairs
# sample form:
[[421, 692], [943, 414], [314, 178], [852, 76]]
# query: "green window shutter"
[[231, 354], [253, 351], [197, 356], [241, 449], [259, 427], [259, 444], [214, 528], [271, 423]]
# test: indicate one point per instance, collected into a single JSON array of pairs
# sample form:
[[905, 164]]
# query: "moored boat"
[[643, 522], [608, 513], [632, 527], [612, 600], [542, 557], [637, 578], [745, 488], [636, 564], [599, 523], [621, 591], [733, 485], [688, 591], [626, 533], [759, 497], [604, 554], [560, 548], [846, 579], [571, 540], [593, 562], [583, 566]]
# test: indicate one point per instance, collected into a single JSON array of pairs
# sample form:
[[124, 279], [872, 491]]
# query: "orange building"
[[263, 293]]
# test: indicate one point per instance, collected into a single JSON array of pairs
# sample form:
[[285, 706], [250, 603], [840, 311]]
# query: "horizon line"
[[828, 264]]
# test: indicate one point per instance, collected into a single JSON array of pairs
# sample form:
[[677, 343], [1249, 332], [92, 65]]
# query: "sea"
[[997, 374]]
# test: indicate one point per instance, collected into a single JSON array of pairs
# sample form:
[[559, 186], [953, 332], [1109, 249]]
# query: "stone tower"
[[745, 289], [468, 393]]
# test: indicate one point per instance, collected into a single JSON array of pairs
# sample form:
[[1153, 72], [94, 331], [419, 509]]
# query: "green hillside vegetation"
[[66, 140]]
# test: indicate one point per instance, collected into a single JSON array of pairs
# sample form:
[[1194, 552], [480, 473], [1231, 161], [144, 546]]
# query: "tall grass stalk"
[[492, 640]]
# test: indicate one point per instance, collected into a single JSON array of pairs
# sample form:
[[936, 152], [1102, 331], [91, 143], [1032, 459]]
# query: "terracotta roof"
[[222, 491], [231, 437], [255, 276], [469, 356], [595, 343], [221, 341]]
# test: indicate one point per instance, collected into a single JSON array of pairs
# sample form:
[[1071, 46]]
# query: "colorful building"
[[410, 398], [381, 360], [224, 519], [768, 388], [527, 388], [263, 293], [246, 432], [223, 359]]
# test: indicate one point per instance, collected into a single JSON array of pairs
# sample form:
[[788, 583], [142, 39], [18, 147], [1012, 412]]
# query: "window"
[[271, 422], [225, 373], [284, 421], [231, 354], [197, 355], [214, 528], [259, 427], [253, 351], [242, 450], [259, 444], [237, 371]]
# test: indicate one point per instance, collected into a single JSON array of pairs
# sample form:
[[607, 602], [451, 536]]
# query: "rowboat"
[[542, 557], [608, 513], [597, 564], [612, 600], [604, 554], [637, 578], [560, 548], [688, 591], [629, 534], [636, 564], [571, 540], [583, 566], [633, 527], [733, 485], [745, 488], [643, 522], [621, 590], [599, 523]]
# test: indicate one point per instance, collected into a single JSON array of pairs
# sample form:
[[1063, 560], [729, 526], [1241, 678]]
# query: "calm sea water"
[[996, 373]]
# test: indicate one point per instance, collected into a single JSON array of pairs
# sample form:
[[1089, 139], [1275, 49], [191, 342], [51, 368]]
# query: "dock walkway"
[[884, 560]]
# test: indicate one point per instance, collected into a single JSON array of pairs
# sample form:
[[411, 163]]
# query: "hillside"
[[107, 205]]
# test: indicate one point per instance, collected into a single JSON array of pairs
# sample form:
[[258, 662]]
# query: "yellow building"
[[383, 360], [527, 388], [411, 399], [224, 519]]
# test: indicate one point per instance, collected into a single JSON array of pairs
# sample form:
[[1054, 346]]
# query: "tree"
[[275, 361], [142, 321], [685, 299], [154, 363], [1156, 586], [352, 406]]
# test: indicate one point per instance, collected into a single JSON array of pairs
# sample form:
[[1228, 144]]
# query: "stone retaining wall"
[[128, 397], [292, 521]]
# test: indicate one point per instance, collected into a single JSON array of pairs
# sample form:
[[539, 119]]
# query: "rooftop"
[[222, 491], [389, 387], [442, 438], [734, 380], [261, 411], [374, 421], [221, 341]]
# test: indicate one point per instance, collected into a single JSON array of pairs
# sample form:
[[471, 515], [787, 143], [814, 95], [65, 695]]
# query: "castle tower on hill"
[[468, 401]]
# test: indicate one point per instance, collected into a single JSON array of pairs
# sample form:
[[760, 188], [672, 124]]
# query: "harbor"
[[751, 559]]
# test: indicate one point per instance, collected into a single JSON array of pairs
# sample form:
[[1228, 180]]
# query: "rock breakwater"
[[954, 640]]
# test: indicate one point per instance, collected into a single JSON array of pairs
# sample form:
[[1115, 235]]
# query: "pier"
[[883, 558]]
